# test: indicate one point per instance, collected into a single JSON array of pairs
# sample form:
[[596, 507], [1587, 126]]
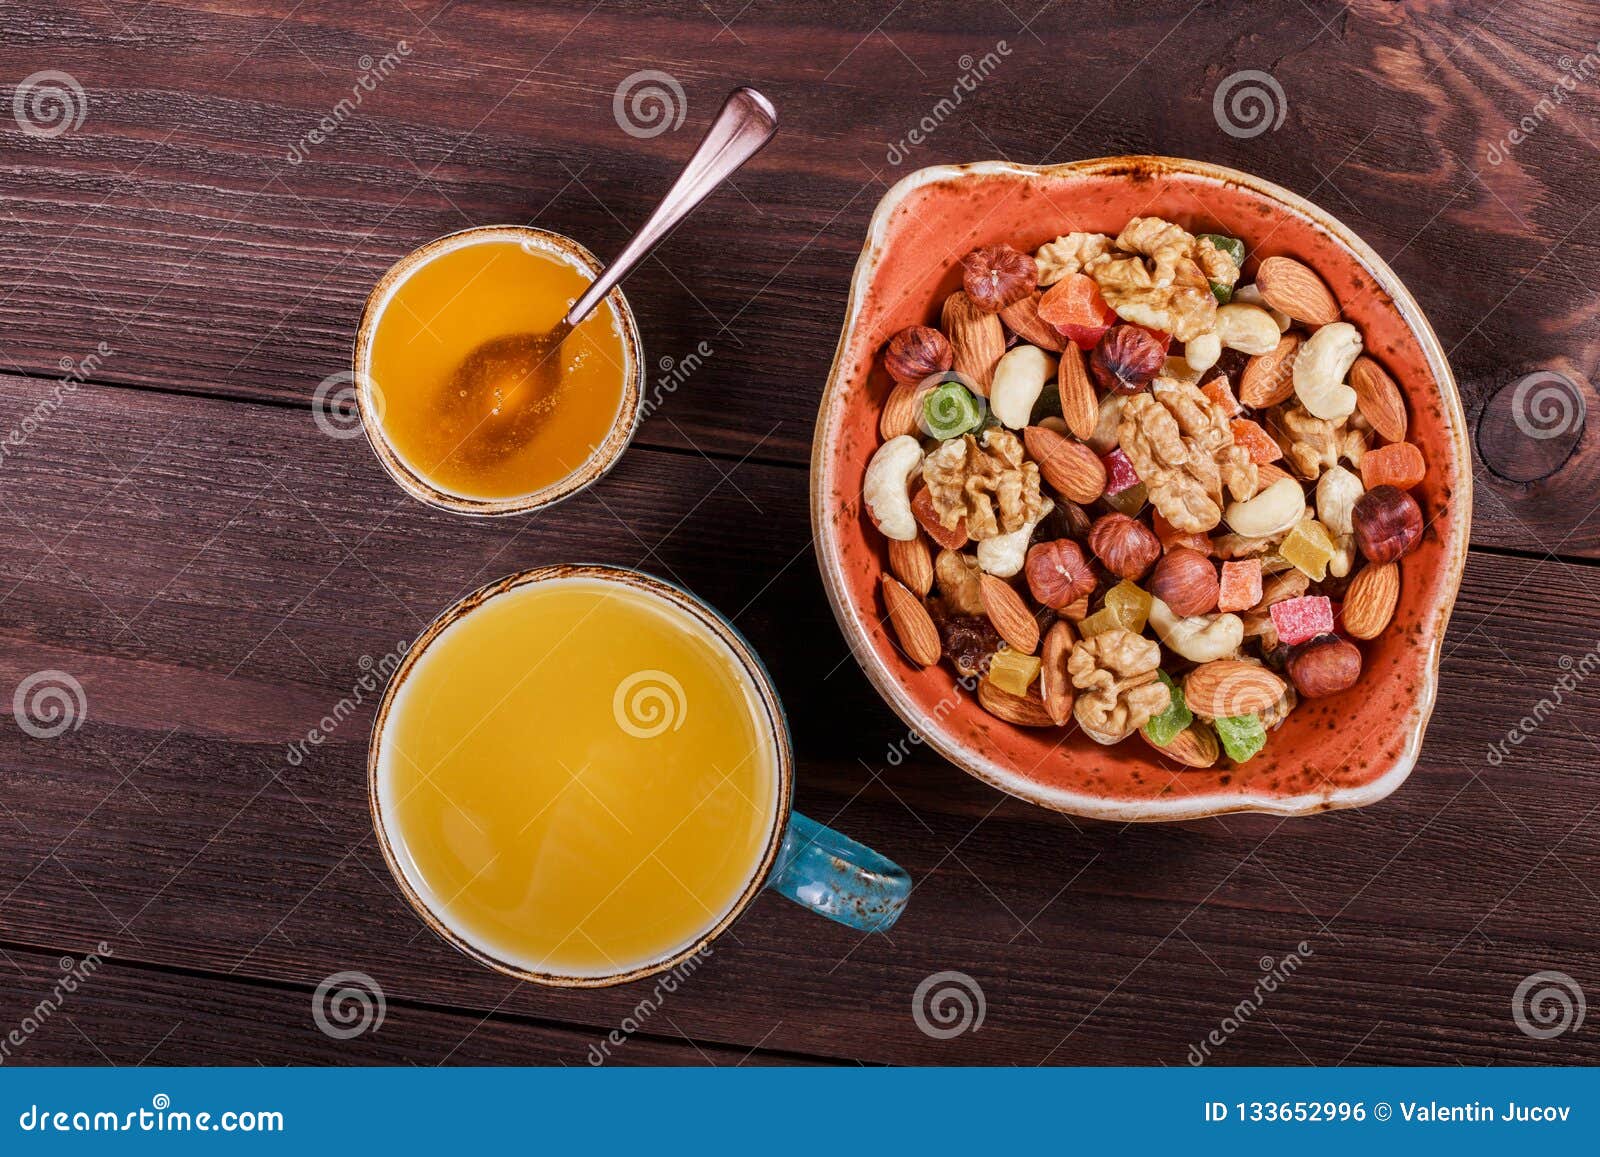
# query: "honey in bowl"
[[577, 777], [448, 357]]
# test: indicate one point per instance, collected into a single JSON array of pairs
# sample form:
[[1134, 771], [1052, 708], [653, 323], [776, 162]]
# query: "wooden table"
[[183, 539]]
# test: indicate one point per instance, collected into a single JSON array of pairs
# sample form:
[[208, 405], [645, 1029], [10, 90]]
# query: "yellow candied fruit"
[[1130, 604], [1013, 671], [1130, 501], [1309, 547], [1103, 620]]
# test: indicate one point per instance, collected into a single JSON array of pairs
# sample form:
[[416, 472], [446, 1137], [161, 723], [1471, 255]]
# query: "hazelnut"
[[997, 276], [917, 352], [1058, 574], [1388, 524], [1126, 358], [1126, 546], [1324, 666], [1186, 581]]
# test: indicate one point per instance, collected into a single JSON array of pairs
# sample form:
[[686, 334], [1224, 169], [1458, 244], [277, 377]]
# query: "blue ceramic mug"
[[809, 863]]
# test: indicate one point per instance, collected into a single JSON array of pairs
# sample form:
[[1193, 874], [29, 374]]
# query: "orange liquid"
[[580, 776], [497, 430]]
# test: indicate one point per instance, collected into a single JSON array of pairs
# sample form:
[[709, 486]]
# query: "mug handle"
[[836, 877]]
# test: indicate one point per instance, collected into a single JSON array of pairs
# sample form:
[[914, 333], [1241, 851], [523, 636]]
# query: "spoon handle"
[[746, 122]]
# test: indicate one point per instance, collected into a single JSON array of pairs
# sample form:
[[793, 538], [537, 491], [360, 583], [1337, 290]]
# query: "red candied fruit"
[[1302, 619]]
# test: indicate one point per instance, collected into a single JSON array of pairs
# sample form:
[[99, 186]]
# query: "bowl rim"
[[1078, 803]]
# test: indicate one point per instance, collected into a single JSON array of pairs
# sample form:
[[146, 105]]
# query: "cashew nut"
[[1344, 557], [1019, 379], [1202, 352], [1337, 492], [1004, 554], [1200, 638], [1250, 295], [1320, 368], [1247, 328], [887, 487], [1273, 511]]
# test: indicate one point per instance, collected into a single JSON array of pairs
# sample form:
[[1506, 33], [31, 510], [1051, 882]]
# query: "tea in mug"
[[578, 777], [450, 368]]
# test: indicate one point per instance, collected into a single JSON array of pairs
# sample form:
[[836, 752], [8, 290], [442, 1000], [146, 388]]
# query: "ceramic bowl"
[[1344, 751]]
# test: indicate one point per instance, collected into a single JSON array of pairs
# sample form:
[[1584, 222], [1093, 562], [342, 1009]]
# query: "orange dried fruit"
[[1399, 464], [1260, 445]]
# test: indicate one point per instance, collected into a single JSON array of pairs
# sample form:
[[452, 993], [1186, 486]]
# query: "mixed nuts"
[[1191, 532]]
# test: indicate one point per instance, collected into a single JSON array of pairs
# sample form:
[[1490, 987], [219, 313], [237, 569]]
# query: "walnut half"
[[991, 485], [1182, 447], [1115, 671]]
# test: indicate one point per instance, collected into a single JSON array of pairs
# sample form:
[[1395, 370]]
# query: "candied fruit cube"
[[1171, 536], [1074, 306], [1260, 445], [1162, 729], [1120, 474], [1013, 671], [1131, 605], [1130, 501], [1241, 585], [1103, 620], [1242, 735], [1308, 548], [1220, 391], [1398, 464], [1297, 620]]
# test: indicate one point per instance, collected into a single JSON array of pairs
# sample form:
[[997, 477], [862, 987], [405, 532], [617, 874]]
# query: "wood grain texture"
[[212, 573], [174, 225]]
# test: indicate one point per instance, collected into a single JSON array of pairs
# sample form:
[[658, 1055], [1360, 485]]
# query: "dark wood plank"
[[173, 225], [212, 572], [86, 1009]]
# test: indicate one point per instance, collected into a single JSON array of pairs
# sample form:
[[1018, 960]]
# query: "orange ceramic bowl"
[[1344, 751]]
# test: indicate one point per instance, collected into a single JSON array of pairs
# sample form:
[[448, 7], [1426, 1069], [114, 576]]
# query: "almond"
[[928, 518], [1292, 288], [902, 413], [1291, 584], [1225, 687], [1022, 318], [1194, 746], [1267, 473], [1378, 399], [919, 638], [1019, 710], [1009, 614], [1268, 379], [1055, 685], [1080, 407], [977, 338], [1069, 467], [1078, 611], [1370, 600], [912, 564]]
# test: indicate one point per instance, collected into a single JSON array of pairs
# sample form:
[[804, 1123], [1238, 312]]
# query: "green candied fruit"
[[1223, 293], [1232, 246], [951, 410], [1242, 736], [1164, 728]]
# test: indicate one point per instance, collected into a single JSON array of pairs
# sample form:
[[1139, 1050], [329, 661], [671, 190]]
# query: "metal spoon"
[[502, 365]]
